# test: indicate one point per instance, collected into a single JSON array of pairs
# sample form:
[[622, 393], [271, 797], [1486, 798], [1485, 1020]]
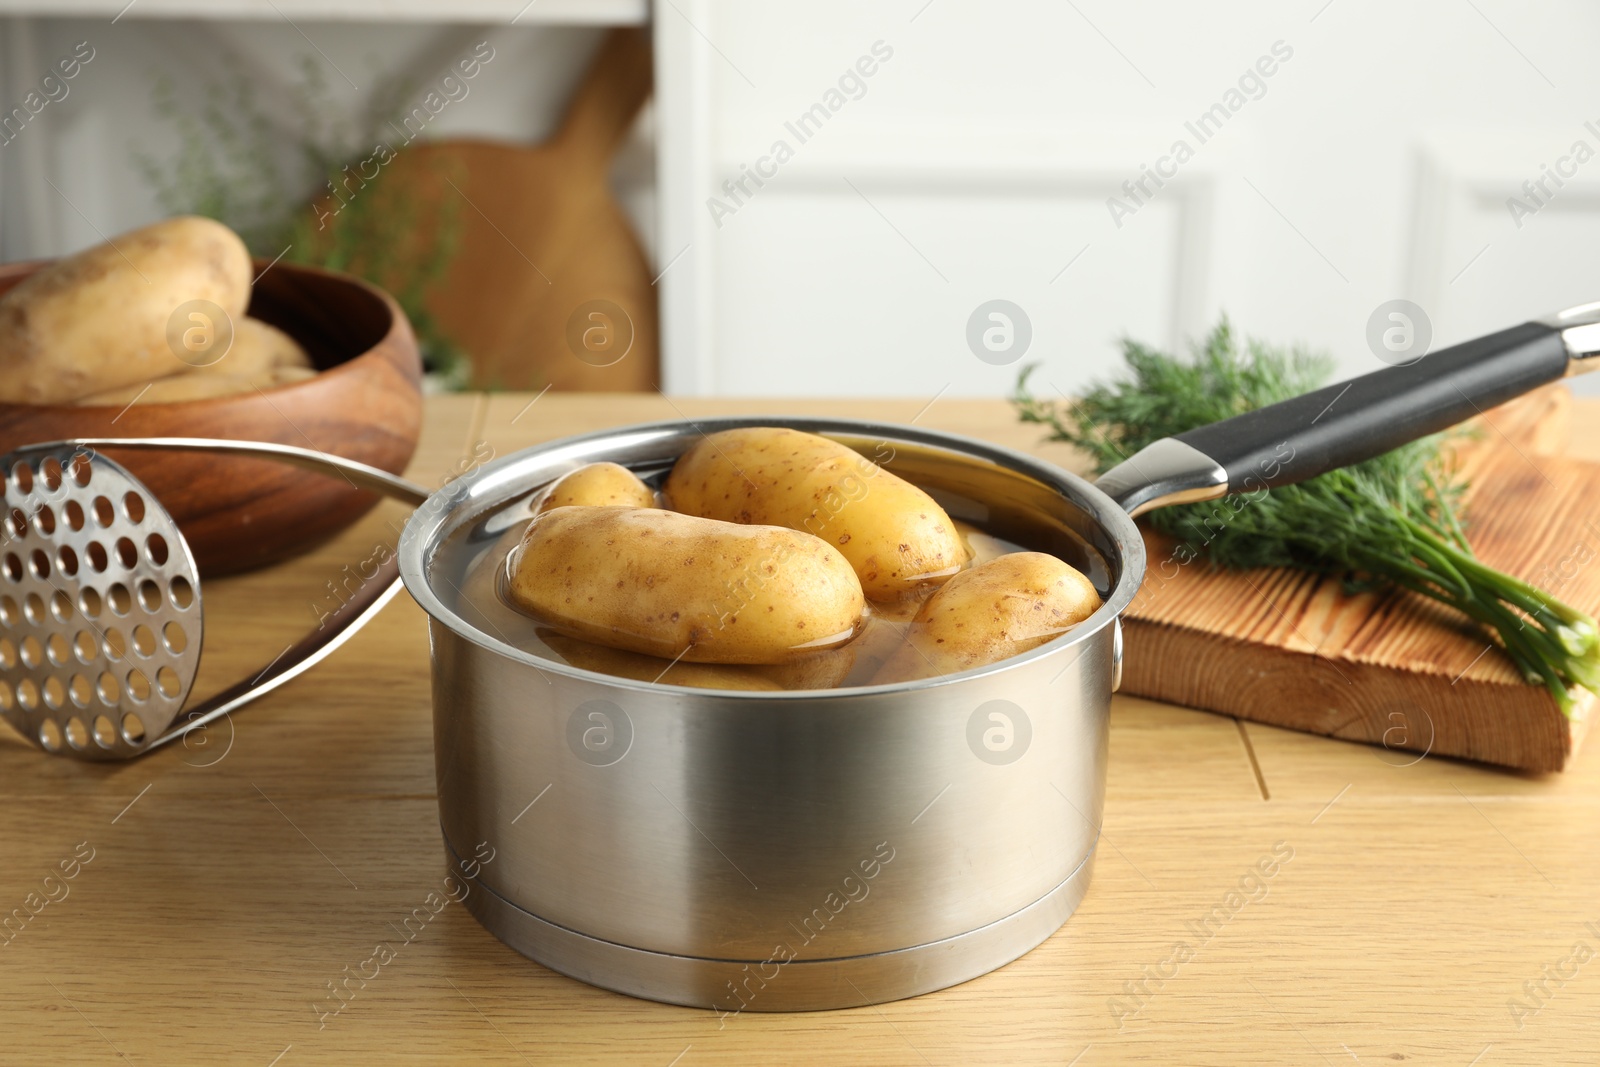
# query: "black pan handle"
[[1346, 423], [1308, 435]]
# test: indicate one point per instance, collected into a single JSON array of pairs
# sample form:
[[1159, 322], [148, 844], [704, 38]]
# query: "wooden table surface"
[[1436, 912]]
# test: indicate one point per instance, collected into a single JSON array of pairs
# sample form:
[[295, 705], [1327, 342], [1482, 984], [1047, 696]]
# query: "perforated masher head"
[[100, 614], [101, 619]]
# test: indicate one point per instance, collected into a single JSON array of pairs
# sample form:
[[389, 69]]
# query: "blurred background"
[[828, 198]]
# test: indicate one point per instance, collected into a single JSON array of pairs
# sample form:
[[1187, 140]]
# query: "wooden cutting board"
[[1394, 669], [548, 286]]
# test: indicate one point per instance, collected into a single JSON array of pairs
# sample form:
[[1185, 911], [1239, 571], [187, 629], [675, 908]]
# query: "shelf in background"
[[522, 12]]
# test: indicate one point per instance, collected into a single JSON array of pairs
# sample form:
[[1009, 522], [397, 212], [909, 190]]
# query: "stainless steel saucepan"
[[827, 848], [729, 850]]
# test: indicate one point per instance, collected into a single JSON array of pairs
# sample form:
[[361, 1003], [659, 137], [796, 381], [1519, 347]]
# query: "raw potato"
[[598, 485], [173, 390], [291, 375], [258, 349], [196, 386], [674, 585], [820, 670], [894, 535], [992, 612], [641, 668], [98, 320]]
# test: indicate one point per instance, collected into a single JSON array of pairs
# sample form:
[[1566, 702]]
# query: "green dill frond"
[[1391, 521]]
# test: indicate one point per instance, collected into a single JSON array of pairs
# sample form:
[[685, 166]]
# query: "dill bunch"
[[1388, 522]]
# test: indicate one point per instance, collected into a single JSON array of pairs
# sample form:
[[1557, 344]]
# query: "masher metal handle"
[[298, 658], [361, 475]]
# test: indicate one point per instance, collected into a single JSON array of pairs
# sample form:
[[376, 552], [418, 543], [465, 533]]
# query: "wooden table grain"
[[1435, 912]]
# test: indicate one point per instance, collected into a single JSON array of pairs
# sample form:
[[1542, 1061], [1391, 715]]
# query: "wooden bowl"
[[240, 513]]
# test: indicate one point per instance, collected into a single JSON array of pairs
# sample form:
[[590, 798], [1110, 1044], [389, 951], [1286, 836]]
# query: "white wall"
[[1375, 166]]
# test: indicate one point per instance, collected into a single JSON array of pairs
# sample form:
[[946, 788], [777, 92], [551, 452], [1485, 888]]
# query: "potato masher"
[[101, 621]]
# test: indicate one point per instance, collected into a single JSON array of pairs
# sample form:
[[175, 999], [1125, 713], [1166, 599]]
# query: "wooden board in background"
[[1292, 649], [542, 240]]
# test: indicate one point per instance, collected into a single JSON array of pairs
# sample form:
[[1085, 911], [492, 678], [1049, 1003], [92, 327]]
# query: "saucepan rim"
[[496, 483]]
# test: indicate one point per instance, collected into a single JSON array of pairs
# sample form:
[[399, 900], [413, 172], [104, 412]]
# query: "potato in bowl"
[[358, 395]]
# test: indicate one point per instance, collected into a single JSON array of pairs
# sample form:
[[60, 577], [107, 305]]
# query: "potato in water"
[[674, 585], [620, 663], [992, 612], [894, 534], [597, 485], [819, 670]]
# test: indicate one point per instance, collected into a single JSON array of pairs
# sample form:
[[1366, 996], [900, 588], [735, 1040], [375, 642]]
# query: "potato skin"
[[98, 319], [292, 375], [672, 585], [992, 612], [258, 349], [894, 534], [195, 385], [819, 670], [261, 357], [597, 485], [622, 664]]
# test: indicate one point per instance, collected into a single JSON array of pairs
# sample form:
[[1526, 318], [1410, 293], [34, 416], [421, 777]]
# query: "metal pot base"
[[731, 986]]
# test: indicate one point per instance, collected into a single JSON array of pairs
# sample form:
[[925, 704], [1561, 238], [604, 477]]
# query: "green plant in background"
[[226, 168], [312, 197], [1388, 522]]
